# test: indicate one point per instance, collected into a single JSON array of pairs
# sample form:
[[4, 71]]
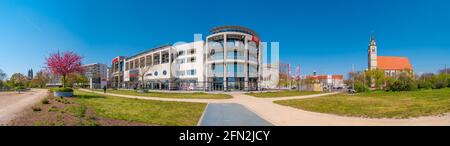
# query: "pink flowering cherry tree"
[[64, 64]]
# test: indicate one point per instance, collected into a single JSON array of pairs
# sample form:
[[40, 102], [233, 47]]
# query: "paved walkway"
[[11, 104], [230, 114], [280, 115]]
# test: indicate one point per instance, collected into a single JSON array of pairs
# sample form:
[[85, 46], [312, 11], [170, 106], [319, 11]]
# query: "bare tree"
[[142, 73], [42, 78]]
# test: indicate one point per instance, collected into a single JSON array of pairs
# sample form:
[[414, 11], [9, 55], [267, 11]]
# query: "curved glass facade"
[[232, 61]]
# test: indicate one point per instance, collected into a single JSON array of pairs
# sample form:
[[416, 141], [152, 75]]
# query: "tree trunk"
[[64, 81]]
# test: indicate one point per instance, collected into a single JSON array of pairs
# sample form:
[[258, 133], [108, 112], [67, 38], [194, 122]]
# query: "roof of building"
[[394, 63], [150, 50], [233, 29]]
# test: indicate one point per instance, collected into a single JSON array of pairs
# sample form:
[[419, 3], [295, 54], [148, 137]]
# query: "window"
[[180, 53], [191, 60], [192, 72], [131, 64], [164, 72], [156, 73], [180, 73], [213, 66], [192, 51], [156, 59], [165, 57], [127, 66], [150, 74], [181, 61], [136, 63], [142, 62], [148, 61]]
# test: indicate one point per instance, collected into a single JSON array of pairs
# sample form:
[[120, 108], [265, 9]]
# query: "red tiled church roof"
[[393, 63]]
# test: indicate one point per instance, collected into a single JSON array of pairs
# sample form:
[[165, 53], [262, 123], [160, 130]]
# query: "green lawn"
[[171, 95], [379, 104], [147, 111], [282, 94]]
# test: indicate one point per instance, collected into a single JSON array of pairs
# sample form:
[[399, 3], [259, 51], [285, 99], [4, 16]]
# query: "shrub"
[[20, 88], [36, 109], [402, 85], [438, 84], [424, 85], [62, 90], [45, 101], [360, 87]]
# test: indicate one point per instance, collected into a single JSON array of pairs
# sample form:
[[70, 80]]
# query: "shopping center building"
[[229, 60]]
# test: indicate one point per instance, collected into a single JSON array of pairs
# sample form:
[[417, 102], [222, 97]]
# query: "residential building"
[[96, 73]]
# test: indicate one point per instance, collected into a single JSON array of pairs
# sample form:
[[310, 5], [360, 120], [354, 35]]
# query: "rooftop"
[[233, 29], [394, 63]]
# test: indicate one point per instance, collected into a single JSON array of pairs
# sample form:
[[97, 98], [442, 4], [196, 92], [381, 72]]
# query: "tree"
[[64, 64], [77, 79], [18, 79], [142, 72], [41, 79], [375, 78]]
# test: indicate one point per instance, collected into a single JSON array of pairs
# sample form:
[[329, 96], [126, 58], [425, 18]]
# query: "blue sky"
[[326, 36]]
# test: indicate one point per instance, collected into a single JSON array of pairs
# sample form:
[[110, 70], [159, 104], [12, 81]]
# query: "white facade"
[[373, 57], [229, 59]]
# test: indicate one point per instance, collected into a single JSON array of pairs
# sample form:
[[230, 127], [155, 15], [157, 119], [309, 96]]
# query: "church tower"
[[373, 62]]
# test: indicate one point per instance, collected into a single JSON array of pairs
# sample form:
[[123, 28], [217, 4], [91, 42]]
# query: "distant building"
[[96, 73], [30, 74], [328, 81], [391, 65]]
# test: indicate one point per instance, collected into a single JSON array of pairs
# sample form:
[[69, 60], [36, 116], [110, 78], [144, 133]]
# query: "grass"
[[282, 94], [379, 104], [146, 111], [171, 95]]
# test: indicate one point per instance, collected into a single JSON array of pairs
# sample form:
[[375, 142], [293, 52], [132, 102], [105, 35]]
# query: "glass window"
[[148, 60], [164, 72], [181, 61], [180, 53], [142, 62], [165, 57], [156, 73], [192, 51], [191, 60], [192, 72], [156, 59]]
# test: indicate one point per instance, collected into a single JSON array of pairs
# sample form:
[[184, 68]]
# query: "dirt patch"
[[65, 112]]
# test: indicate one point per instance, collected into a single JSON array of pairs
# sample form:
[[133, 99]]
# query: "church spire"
[[372, 40]]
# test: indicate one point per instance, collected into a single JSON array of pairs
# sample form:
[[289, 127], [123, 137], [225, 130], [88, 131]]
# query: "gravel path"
[[12, 104]]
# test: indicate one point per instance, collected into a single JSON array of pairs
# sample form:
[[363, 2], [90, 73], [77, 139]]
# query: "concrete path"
[[11, 104], [280, 115], [230, 114]]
